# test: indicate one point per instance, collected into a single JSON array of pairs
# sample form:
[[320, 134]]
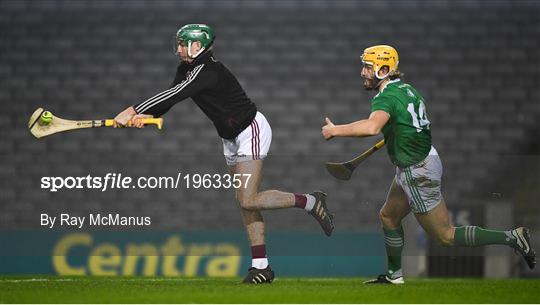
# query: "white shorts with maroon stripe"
[[251, 144]]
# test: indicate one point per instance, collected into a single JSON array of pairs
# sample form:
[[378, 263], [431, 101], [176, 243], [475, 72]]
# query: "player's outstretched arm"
[[363, 128]]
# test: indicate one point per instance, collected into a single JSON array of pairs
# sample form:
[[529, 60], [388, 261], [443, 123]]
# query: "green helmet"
[[195, 32]]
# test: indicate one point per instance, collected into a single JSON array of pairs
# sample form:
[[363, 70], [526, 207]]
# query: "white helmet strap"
[[377, 73], [387, 74], [189, 51]]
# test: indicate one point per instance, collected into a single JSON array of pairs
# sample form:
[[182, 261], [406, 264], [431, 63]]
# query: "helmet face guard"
[[190, 33], [380, 56]]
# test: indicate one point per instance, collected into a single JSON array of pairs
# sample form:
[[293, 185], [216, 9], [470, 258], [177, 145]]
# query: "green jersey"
[[406, 134]]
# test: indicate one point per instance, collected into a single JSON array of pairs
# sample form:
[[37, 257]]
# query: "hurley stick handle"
[[354, 162], [152, 121], [344, 170], [379, 144]]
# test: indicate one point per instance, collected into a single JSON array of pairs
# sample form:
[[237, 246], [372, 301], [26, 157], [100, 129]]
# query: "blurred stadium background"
[[476, 63]]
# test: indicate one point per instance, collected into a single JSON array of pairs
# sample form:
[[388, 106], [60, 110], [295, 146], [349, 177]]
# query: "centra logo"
[[77, 254]]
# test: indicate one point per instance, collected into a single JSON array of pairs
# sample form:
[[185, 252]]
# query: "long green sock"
[[476, 236], [393, 241]]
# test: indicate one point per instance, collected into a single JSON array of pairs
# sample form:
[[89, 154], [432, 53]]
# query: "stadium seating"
[[299, 62]]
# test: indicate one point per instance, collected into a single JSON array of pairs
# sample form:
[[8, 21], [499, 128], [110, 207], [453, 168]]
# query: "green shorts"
[[422, 182]]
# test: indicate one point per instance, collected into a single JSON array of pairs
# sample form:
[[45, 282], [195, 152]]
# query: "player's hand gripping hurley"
[[343, 171], [43, 123]]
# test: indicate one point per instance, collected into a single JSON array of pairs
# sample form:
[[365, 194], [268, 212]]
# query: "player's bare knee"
[[247, 203], [383, 217], [445, 238], [387, 220]]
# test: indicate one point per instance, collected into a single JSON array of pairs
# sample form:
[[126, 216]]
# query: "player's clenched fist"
[[124, 117], [136, 120], [328, 129]]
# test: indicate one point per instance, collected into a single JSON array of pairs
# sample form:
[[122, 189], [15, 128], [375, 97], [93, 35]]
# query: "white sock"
[[259, 263], [310, 202]]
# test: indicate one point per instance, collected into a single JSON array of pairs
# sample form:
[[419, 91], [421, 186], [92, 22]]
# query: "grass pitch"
[[51, 289]]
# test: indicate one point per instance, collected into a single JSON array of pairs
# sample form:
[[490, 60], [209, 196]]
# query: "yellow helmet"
[[380, 56]]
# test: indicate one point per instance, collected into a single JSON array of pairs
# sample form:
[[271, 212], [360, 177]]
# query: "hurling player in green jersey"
[[399, 111]]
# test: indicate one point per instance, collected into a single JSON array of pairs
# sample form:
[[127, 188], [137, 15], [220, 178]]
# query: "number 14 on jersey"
[[420, 120]]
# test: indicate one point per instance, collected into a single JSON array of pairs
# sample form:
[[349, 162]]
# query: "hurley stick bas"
[[343, 171], [43, 123]]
